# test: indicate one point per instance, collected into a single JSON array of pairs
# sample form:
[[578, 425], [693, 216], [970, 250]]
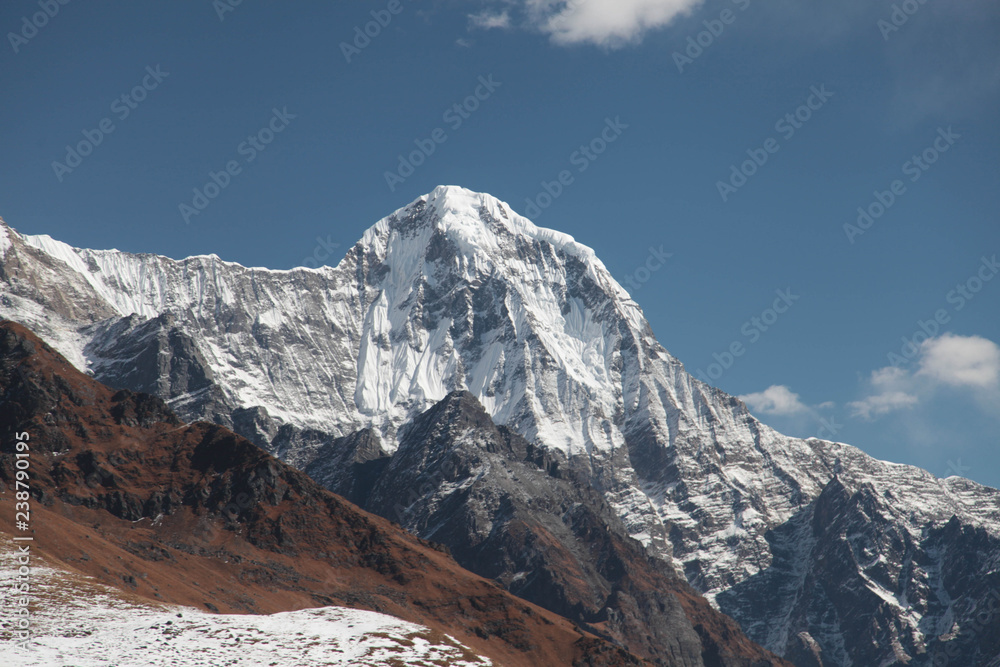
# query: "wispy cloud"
[[487, 20], [776, 400], [882, 404], [780, 402], [947, 361], [608, 23], [945, 61]]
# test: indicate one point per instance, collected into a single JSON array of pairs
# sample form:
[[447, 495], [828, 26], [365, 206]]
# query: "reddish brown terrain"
[[195, 515]]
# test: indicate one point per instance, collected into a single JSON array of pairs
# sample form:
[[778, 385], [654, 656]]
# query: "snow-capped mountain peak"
[[457, 291], [481, 229]]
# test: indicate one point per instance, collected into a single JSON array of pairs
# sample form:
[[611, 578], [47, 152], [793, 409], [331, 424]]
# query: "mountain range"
[[127, 494], [488, 385]]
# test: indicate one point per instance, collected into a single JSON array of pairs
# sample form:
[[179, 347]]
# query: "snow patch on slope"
[[78, 621]]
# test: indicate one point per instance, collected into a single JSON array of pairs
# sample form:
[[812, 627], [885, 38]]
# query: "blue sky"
[[836, 106]]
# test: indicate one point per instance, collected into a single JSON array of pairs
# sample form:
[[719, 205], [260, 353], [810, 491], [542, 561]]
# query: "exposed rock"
[[196, 515], [456, 291]]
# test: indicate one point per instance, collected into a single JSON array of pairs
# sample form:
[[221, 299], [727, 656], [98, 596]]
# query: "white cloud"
[[951, 361], [969, 361], [487, 20], [889, 377], [609, 23], [882, 404], [775, 400]]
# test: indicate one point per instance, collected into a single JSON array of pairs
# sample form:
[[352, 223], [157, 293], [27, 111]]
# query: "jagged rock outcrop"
[[526, 518]]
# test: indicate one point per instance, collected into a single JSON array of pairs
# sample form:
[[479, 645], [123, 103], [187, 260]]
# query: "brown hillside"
[[195, 515]]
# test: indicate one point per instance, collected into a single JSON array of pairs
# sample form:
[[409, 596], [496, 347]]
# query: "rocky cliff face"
[[845, 564], [530, 520], [458, 292], [194, 514]]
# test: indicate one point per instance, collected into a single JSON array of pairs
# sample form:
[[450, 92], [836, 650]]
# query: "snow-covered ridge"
[[453, 204], [488, 244], [5, 242], [458, 290], [453, 291]]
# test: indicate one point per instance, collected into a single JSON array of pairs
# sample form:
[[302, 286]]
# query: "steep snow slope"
[[458, 291], [395, 298]]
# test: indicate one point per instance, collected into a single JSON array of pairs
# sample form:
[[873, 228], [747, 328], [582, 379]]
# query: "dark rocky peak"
[[514, 513]]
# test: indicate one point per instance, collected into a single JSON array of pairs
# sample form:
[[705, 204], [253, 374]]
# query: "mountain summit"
[[456, 292], [453, 291]]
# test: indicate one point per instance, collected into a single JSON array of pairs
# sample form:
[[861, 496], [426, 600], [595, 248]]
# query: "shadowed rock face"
[[351, 464], [194, 514], [827, 555], [526, 518]]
